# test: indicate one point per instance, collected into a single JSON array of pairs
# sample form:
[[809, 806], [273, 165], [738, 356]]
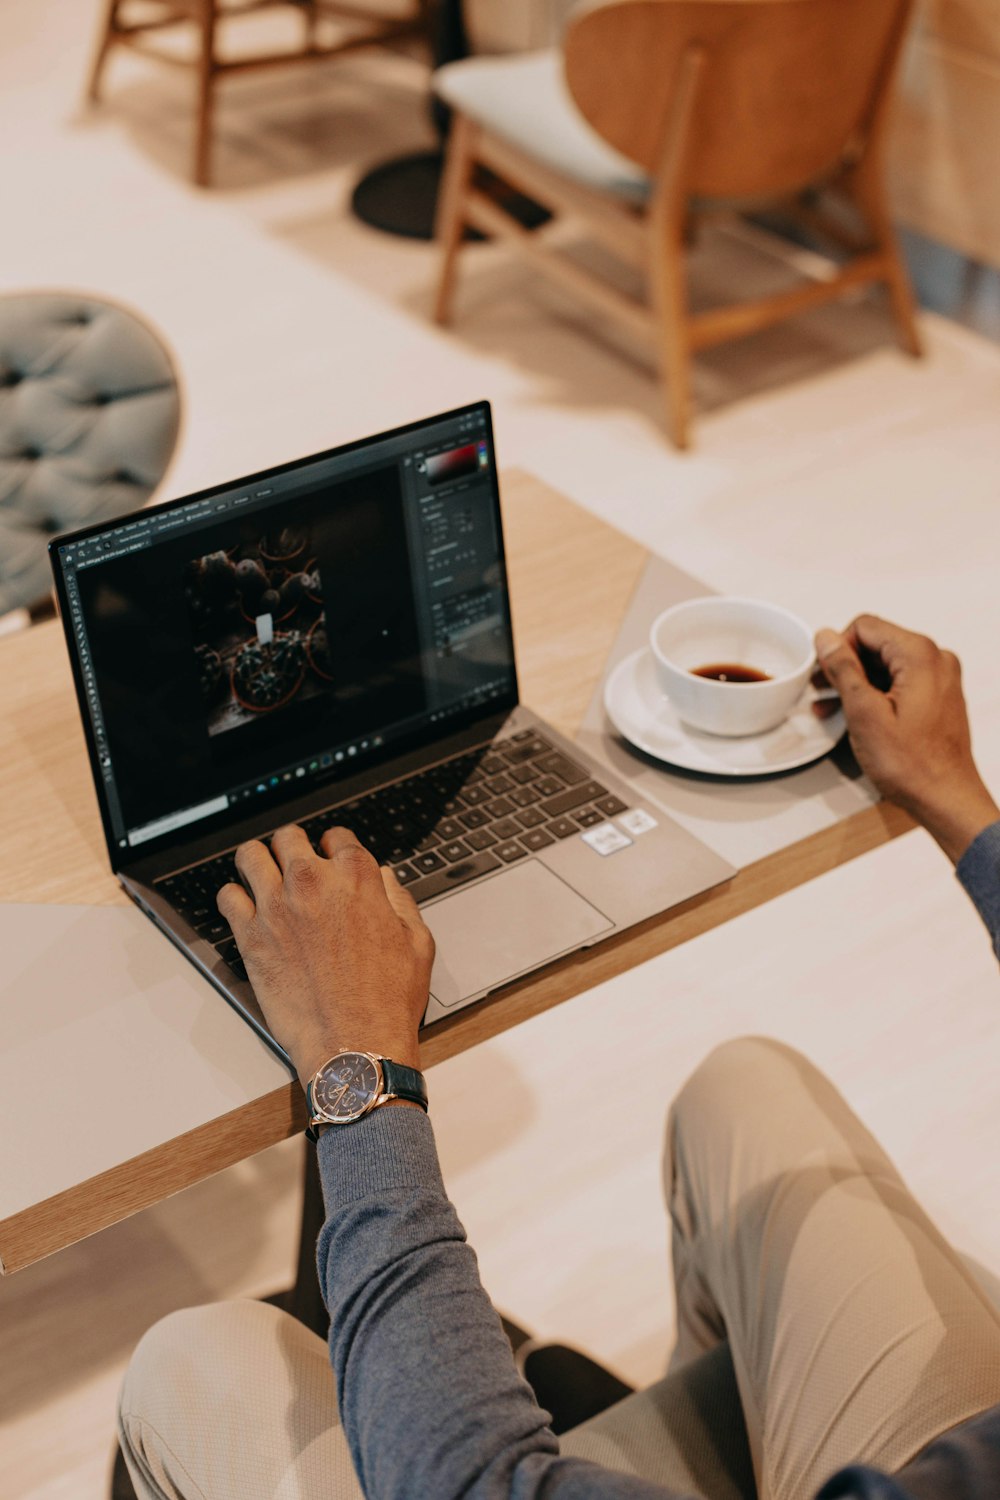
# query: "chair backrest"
[[786, 87]]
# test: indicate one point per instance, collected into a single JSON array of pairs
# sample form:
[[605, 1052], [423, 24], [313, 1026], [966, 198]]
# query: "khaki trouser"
[[856, 1332]]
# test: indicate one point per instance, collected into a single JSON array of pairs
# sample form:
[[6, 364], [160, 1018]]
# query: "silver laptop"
[[329, 643]]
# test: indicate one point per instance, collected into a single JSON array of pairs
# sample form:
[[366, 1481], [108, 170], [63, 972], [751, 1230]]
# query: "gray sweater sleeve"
[[430, 1400], [979, 872]]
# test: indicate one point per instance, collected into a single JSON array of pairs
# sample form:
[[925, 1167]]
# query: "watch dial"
[[347, 1086]]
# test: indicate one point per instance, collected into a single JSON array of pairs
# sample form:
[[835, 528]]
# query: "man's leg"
[[234, 1401], [856, 1331]]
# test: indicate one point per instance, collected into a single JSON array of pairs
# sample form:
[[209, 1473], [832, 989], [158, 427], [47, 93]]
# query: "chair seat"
[[524, 100]]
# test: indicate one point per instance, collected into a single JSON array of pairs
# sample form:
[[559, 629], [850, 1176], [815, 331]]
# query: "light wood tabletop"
[[571, 577]]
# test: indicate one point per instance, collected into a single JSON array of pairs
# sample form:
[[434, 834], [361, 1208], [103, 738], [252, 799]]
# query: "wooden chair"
[[658, 112], [130, 23]]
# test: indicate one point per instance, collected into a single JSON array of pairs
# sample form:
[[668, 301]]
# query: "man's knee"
[[744, 1068], [202, 1379], [740, 1091], [729, 1114], [188, 1359]]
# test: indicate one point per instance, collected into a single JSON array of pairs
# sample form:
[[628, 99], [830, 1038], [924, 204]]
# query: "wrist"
[[958, 822]]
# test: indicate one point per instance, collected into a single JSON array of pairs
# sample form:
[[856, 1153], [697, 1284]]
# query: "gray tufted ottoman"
[[89, 415]]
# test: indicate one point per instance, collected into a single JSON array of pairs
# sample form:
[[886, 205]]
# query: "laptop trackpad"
[[506, 926]]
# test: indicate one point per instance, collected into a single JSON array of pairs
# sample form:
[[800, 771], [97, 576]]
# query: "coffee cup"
[[732, 666]]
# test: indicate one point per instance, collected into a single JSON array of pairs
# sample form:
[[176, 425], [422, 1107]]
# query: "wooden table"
[[571, 577]]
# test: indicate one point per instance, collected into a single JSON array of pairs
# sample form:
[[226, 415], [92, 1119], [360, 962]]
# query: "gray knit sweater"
[[430, 1401]]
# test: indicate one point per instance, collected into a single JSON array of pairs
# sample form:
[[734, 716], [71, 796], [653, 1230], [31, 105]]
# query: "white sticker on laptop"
[[606, 838], [637, 820]]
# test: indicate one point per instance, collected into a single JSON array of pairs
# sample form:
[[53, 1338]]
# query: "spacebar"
[[574, 796], [447, 880]]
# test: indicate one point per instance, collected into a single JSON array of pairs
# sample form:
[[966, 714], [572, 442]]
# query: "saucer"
[[640, 710]]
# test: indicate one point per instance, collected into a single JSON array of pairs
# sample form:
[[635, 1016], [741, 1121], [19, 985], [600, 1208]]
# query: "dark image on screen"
[[259, 627], [196, 699]]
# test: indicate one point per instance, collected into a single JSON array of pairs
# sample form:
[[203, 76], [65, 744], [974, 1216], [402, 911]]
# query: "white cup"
[[746, 632]]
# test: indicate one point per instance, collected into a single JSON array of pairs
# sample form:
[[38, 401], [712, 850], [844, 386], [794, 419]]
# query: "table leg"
[[303, 1299], [401, 195], [105, 42], [207, 72]]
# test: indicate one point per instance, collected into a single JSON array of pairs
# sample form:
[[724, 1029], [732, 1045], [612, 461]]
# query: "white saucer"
[[640, 710]]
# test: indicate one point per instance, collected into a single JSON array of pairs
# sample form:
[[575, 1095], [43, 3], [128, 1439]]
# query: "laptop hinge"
[[330, 794]]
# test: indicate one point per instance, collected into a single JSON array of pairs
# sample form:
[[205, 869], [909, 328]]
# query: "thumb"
[[842, 667]]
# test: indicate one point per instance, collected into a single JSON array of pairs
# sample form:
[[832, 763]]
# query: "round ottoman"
[[89, 415]]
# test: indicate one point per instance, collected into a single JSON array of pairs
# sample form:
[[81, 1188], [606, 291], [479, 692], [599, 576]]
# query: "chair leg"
[[868, 186], [450, 225], [104, 44], [669, 295], [901, 299], [206, 94], [310, 17], [42, 609], [670, 226]]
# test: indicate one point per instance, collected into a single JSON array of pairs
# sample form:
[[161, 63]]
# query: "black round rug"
[[400, 197]]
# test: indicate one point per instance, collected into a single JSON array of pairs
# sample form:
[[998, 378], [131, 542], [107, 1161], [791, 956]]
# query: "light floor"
[[831, 473]]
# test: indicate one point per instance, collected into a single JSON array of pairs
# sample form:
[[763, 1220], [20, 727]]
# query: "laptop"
[[329, 643]]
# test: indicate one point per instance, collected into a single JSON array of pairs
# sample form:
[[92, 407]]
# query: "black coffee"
[[731, 671]]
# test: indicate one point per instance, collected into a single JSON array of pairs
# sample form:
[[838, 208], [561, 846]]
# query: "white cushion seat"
[[524, 101]]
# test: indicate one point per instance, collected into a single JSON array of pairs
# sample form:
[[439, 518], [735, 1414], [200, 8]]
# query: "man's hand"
[[912, 740], [336, 950]]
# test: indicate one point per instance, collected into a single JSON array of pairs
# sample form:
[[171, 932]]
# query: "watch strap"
[[403, 1082], [312, 1129]]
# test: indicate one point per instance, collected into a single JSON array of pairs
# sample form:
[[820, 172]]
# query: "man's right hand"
[[336, 950], [913, 739]]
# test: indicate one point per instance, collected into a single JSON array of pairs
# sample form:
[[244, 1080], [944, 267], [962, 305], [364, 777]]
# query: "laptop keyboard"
[[438, 829]]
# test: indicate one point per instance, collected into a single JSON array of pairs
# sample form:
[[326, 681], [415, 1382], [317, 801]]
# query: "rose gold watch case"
[[320, 1118]]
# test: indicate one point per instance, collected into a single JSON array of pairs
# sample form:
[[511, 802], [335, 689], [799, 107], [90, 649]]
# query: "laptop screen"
[[240, 645]]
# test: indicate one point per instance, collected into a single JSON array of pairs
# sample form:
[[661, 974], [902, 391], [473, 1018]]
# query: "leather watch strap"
[[403, 1082]]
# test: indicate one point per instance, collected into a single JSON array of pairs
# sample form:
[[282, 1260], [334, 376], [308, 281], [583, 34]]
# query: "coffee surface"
[[731, 671]]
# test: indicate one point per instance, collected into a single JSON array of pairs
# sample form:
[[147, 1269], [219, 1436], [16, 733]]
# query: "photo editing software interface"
[[289, 631]]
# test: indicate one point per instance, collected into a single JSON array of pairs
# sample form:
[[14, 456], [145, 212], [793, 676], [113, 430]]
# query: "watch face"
[[347, 1086]]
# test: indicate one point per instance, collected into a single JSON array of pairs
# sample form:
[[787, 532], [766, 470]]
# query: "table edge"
[[141, 1181]]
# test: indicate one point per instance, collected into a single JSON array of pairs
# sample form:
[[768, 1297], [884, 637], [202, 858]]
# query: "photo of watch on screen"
[[248, 640], [369, 604], [259, 627]]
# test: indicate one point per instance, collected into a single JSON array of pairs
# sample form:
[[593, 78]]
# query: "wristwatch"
[[352, 1083]]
